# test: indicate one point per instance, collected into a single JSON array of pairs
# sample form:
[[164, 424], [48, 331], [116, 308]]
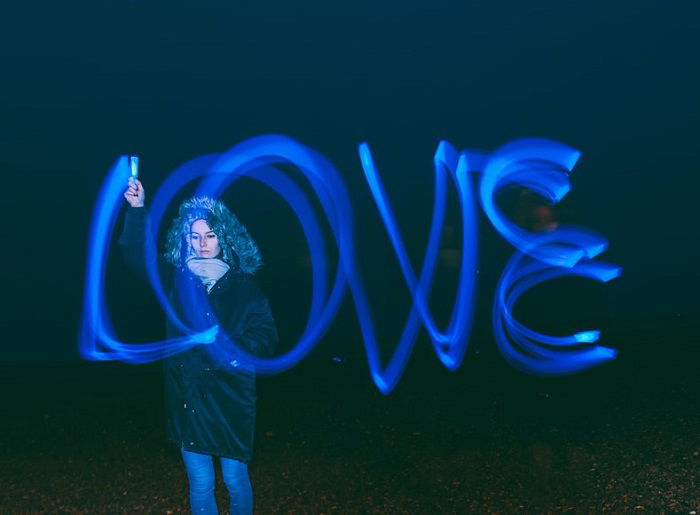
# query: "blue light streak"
[[538, 353], [540, 165]]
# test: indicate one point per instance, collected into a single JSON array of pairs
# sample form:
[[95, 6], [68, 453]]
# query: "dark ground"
[[88, 438]]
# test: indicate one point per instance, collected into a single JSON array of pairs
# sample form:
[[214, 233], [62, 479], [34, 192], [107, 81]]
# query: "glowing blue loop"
[[322, 310], [515, 291], [540, 165], [528, 353], [534, 164], [253, 158], [525, 274]]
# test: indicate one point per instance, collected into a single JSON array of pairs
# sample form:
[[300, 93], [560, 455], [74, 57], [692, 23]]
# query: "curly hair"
[[238, 250]]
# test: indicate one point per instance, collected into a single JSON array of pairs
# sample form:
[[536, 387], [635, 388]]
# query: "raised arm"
[[136, 228]]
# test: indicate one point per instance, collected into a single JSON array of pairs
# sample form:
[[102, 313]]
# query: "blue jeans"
[[200, 471]]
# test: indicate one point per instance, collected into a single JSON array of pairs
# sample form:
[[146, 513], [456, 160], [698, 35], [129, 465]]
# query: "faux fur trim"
[[238, 249]]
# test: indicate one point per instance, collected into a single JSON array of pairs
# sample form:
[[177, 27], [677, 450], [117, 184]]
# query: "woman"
[[210, 402]]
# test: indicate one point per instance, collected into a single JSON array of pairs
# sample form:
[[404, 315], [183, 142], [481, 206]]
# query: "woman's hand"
[[135, 194]]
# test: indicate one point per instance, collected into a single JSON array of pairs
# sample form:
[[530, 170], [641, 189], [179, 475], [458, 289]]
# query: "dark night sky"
[[86, 82]]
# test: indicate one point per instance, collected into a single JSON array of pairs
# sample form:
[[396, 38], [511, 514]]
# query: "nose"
[[203, 242]]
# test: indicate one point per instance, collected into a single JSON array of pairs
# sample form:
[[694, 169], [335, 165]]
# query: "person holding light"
[[210, 402]]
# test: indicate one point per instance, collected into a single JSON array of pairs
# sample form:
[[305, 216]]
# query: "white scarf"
[[209, 270]]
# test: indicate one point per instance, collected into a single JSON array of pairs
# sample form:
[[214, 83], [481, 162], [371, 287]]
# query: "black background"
[[85, 83]]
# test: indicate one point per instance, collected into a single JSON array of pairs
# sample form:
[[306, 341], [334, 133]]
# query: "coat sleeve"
[[259, 335], [133, 239]]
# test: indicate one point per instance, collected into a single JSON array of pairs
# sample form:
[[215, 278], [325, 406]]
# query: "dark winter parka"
[[210, 403]]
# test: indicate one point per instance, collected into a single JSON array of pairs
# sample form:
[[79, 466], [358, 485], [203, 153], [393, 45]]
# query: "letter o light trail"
[[540, 165]]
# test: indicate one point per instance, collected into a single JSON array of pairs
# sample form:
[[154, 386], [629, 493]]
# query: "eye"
[[211, 236]]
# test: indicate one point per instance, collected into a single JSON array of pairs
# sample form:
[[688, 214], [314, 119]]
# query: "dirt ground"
[[89, 438]]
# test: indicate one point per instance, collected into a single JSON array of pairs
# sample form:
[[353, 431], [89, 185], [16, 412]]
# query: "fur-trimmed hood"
[[238, 249]]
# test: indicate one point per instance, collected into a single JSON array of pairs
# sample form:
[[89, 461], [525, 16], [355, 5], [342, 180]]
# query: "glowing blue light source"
[[587, 336], [540, 165]]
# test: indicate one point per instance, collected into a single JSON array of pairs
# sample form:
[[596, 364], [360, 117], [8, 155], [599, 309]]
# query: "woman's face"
[[203, 240]]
